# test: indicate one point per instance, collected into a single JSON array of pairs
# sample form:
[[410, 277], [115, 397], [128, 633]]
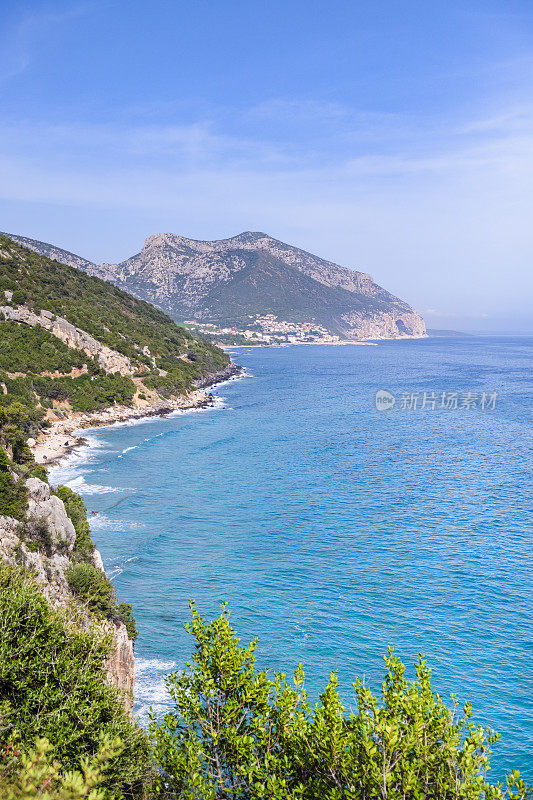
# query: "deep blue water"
[[333, 529]]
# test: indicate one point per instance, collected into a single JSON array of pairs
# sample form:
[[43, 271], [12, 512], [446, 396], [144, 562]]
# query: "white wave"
[[79, 485], [113, 573], [143, 665], [244, 374], [78, 458], [150, 687], [178, 412], [99, 522], [114, 570]]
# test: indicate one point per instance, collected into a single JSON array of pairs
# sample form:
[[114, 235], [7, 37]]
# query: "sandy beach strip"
[[62, 436]]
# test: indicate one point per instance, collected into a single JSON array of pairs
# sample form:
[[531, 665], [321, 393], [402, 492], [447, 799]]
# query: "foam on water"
[[79, 485], [79, 458], [150, 689], [100, 522], [114, 570]]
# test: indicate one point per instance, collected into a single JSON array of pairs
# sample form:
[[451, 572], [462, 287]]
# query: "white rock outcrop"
[[108, 359]]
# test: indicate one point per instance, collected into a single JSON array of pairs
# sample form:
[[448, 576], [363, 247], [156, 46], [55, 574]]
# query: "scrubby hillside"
[[66, 642], [132, 327]]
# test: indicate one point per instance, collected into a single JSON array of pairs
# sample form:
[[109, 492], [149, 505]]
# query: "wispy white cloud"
[[439, 220]]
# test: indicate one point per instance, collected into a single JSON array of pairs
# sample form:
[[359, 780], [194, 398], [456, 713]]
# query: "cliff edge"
[[44, 543]]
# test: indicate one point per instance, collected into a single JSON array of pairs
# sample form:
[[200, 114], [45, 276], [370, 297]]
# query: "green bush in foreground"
[[36, 776], [235, 732], [52, 685]]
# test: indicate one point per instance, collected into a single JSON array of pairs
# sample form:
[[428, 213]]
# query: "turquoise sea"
[[334, 529]]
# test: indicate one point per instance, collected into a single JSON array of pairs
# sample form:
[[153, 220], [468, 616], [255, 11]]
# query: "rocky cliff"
[[49, 566]]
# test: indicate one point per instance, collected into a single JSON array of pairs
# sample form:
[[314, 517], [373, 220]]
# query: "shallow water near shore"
[[333, 529]]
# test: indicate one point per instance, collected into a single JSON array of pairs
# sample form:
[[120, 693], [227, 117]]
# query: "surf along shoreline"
[[63, 437]]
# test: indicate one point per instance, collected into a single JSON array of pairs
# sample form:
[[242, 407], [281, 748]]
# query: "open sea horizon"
[[334, 529]]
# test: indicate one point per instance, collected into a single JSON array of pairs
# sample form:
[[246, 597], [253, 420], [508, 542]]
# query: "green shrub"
[[4, 460], [77, 511], [37, 776], [125, 615], [36, 536], [19, 297], [13, 494], [53, 685], [93, 587], [19, 417], [237, 732], [13, 497]]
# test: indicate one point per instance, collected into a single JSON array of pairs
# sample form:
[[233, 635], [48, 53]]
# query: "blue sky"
[[392, 136]]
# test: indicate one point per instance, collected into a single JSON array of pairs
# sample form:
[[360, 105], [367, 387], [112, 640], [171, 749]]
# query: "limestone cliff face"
[[72, 336], [392, 325], [121, 664], [49, 569]]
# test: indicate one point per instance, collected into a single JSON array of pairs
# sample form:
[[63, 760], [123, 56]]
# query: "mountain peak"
[[175, 240], [251, 235], [231, 281]]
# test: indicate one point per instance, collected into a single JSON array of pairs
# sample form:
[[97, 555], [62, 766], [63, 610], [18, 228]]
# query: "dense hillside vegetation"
[[40, 372], [36, 350], [52, 685], [114, 318]]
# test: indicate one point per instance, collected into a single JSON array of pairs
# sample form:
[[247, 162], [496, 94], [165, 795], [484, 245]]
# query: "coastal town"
[[265, 330]]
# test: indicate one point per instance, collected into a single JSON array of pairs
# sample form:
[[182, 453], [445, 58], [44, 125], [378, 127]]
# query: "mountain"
[[231, 282], [73, 340]]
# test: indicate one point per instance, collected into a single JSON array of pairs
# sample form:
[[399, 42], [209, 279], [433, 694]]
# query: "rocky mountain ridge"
[[50, 251], [233, 281]]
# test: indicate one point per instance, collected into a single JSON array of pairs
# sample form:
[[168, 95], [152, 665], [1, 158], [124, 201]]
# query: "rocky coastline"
[[55, 443], [226, 374], [63, 435]]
